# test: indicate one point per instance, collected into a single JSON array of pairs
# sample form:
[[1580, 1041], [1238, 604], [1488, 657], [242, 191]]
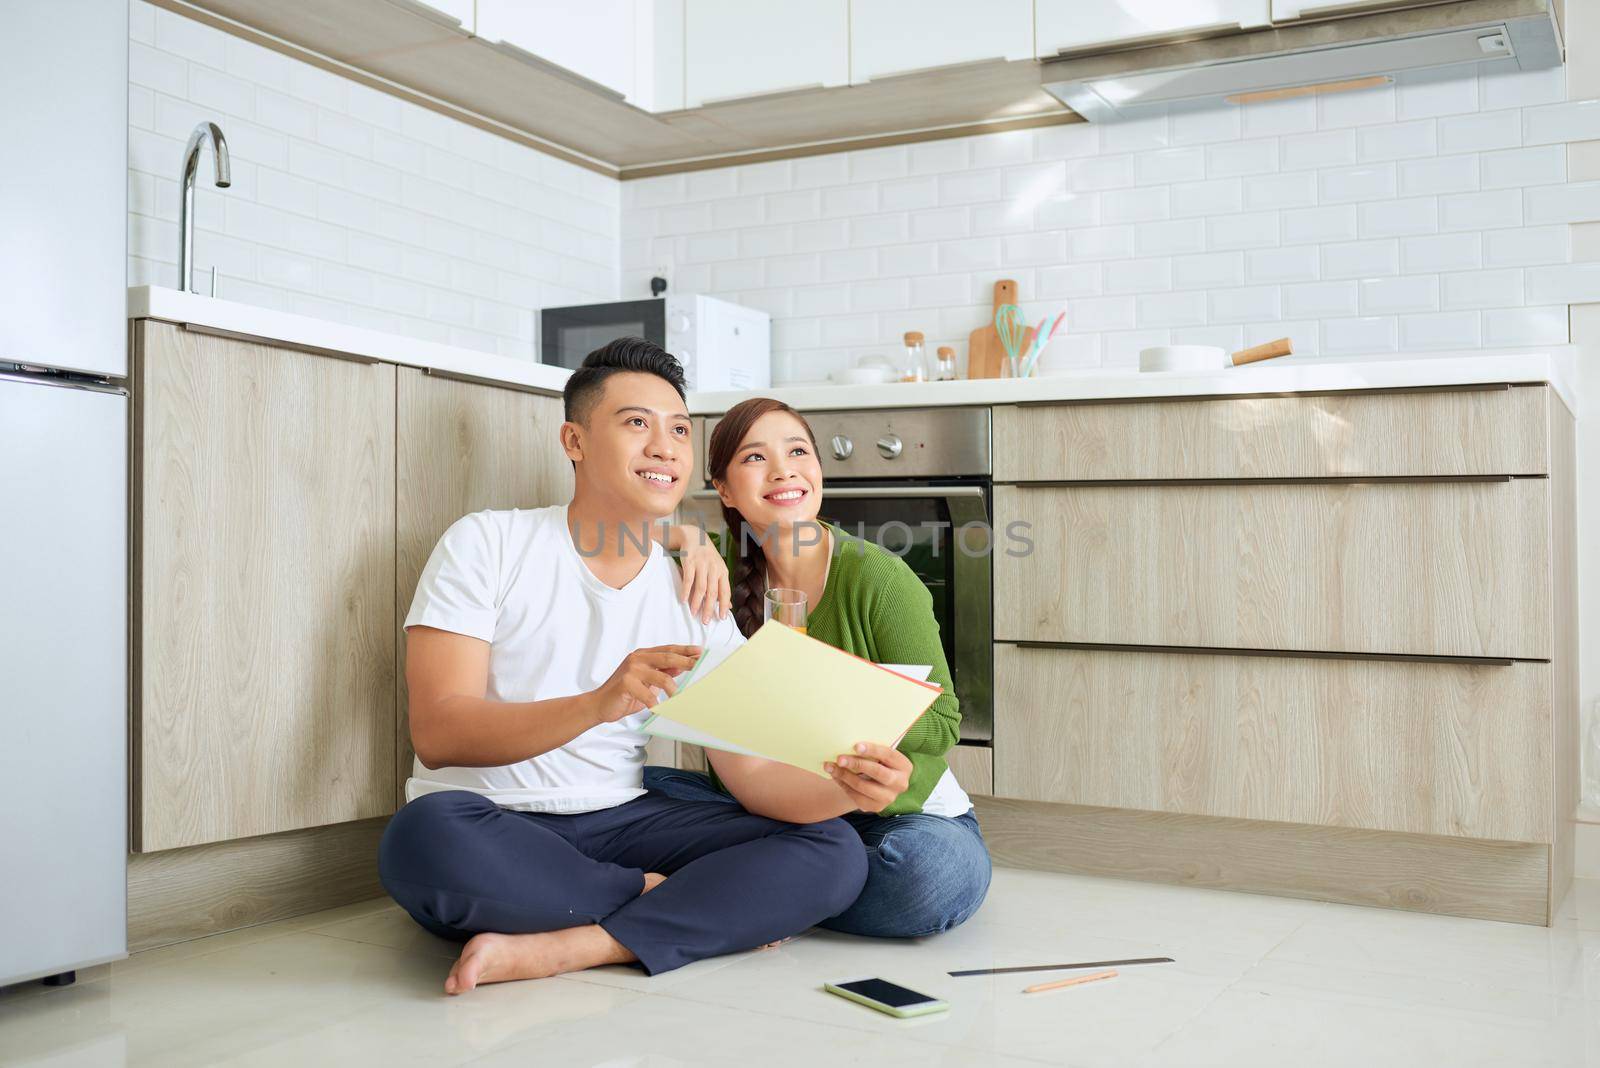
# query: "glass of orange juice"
[[787, 607]]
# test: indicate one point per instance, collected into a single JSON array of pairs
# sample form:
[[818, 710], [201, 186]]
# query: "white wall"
[[1428, 215], [351, 205]]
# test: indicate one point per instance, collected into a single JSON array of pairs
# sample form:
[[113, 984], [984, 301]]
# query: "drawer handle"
[[1290, 654]]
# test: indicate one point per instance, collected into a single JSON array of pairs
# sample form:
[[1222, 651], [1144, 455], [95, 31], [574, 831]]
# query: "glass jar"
[[946, 364], [915, 366]]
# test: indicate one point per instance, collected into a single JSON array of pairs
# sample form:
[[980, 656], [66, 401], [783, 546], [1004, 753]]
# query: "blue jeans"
[[925, 874]]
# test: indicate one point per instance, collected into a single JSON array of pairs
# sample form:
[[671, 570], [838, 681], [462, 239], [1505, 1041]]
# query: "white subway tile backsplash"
[[1526, 326], [1371, 334], [1440, 330], [1361, 259], [875, 164], [1103, 313], [1367, 181], [1255, 230], [1403, 293], [1121, 348], [1246, 304], [1169, 165], [1439, 174], [1527, 246], [1296, 190], [1480, 133], [822, 300], [1293, 264], [1318, 300], [1170, 238], [821, 235], [1481, 211], [1210, 270], [1066, 211], [1481, 289], [1330, 148], [849, 265], [761, 241], [1320, 225], [772, 177], [1238, 158], [1071, 280], [1033, 249], [1002, 149], [1172, 309], [1145, 204], [1401, 140], [847, 200], [1541, 165], [1138, 276], [969, 187], [1108, 172], [348, 135], [1216, 197], [794, 270], [1003, 217], [909, 194], [1100, 243], [972, 254], [879, 230], [813, 172], [1136, 135], [1573, 283], [1442, 252], [1574, 202], [1399, 218], [934, 157], [889, 294], [936, 225]]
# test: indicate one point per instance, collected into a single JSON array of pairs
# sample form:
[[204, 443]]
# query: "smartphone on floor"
[[886, 997]]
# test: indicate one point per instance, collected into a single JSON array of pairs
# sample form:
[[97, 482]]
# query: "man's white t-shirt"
[[515, 579]]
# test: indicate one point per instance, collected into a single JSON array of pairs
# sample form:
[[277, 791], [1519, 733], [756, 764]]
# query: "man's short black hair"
[[624, 354]]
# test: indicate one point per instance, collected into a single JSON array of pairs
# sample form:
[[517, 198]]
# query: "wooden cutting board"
[[986, 357]]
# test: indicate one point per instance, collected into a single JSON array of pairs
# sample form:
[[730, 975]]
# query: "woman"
[[928, 867]]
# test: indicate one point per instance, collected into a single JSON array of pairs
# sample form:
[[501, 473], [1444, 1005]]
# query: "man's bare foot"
[[497, 958], [651, 881]]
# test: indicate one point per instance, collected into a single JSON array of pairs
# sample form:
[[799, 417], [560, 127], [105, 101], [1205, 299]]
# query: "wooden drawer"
[[1499, 431], [1444, 749], [1426, 568], [973, 767]]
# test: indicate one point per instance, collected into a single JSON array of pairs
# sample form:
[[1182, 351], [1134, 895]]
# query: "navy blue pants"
[[461, 865], [925, 874]]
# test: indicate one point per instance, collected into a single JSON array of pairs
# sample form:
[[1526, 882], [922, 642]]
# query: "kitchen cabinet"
[[1334, 567], [594, 39], [264, 588], [1071, 25], [738, 48], [1314, 645], [462, 447], [887, 37]]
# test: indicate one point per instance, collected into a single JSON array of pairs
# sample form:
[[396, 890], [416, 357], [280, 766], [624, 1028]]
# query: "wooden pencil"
[[1074, 981]]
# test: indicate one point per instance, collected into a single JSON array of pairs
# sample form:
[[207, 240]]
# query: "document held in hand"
[[788, 697]]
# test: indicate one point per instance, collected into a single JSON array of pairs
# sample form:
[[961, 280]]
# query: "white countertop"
[[1555, 365], [302, 331]]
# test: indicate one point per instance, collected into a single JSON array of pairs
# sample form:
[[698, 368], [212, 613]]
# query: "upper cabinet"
[[735, 48], [889, 37], [1071, 25], [594, 39]]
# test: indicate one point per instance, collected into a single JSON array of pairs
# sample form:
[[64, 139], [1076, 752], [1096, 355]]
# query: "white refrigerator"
[[63, 486]]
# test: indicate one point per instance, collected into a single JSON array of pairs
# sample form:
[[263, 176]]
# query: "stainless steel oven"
[[917, 483]]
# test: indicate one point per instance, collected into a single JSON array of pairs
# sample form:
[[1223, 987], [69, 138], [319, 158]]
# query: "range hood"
[[1303, 59]]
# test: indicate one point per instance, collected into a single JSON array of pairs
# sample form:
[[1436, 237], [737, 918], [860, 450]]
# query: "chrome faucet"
[[205, 131]]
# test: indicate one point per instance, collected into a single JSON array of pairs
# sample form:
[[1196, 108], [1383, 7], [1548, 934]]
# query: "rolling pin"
[[1266, 351]]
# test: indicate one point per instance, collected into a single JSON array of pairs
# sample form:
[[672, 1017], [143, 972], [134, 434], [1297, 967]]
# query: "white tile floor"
[[1258, 980]]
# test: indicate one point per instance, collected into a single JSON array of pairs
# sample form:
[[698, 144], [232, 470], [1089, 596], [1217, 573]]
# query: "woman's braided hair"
[[748, 576]]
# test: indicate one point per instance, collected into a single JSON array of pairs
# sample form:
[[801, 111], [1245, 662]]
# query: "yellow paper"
[[795, 699]]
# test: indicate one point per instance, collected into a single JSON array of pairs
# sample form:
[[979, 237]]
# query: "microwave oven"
[[722, 346]]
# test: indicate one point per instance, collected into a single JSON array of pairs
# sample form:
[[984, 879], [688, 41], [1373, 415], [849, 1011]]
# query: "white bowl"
[[1182, 358], [862, 376]]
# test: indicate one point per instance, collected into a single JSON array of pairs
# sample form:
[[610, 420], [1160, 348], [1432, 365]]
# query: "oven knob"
[[842, 447], [889, 447]]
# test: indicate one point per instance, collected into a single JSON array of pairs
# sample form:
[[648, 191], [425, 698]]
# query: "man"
[[535, 645]]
